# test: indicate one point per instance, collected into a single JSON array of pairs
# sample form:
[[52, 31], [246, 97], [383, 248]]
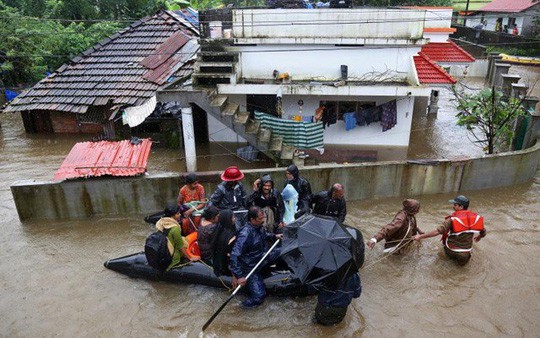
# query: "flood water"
[[53, 283]]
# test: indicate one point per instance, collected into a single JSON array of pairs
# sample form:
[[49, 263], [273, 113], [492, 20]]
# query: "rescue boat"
[[278, 283]]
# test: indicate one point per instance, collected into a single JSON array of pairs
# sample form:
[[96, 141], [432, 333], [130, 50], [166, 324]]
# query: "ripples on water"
[[52, 279]]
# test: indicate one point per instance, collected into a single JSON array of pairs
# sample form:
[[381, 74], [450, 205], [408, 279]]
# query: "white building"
[[503, 15], [287, 62]]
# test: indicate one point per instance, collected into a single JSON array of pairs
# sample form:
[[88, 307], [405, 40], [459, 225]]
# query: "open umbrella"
[[321, 251]]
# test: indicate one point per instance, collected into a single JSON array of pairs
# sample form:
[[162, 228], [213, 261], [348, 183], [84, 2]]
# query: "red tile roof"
[[446, 52], [121, 158], [439, 30], [507, 6], [429, 72]]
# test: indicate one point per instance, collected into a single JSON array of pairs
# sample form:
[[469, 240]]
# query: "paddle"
[[205, 326]]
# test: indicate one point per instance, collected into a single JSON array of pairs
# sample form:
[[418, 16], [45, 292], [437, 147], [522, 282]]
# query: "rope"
[[388, 255]]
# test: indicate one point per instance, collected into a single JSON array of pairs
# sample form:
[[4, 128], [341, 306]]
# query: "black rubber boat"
[[278, 283]]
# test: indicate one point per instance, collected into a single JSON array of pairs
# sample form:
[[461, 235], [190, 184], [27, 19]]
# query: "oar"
[[205, 326]]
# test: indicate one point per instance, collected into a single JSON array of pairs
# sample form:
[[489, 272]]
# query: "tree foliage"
[[489, 117]]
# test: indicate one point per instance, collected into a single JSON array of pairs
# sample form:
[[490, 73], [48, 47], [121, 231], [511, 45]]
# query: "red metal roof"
[[507, 6], [429, 72], [121, 158], [446, 52]]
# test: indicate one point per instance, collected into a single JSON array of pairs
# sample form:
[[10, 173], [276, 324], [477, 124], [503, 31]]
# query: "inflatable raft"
[[279, 283]]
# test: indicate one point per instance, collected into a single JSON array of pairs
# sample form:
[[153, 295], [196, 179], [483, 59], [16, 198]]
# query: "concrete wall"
[[146, 194], [323, 63]]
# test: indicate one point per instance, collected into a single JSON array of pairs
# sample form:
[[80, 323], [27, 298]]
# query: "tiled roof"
[[122, 158], [446, 52], [507, 6], [125, 69], [429, 72]]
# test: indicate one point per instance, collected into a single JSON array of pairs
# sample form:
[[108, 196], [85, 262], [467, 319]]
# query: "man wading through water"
[[398, 233], [458, 231]]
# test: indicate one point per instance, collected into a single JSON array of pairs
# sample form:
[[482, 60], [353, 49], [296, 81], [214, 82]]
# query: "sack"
[[156, 250]]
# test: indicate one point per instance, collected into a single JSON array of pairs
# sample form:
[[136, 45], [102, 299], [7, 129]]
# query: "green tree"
[[489, 117]]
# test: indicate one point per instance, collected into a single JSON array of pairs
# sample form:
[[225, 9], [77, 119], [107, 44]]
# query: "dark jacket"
[[221, 246], [225, 197], [249, 248], [302, 186], [274, 201], [326, 206]]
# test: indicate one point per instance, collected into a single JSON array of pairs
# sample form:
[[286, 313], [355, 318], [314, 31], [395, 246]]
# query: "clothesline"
[[305, 135]]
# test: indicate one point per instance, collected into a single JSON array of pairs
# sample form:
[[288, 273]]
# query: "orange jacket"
[[466, 221]]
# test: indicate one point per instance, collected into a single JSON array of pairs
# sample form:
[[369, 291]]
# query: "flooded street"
[[53, 283]]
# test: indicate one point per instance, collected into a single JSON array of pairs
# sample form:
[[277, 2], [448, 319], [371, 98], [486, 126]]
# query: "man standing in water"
[[458, 231], [398, 234], [331, 203], [249, 249]]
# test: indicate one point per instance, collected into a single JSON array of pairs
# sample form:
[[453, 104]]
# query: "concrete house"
[[112, 86], [503, 15], [265, 73]]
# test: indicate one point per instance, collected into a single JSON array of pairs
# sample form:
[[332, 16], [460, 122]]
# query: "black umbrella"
[[321, 251]]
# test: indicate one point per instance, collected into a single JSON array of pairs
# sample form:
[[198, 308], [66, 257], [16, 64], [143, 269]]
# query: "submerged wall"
[[146, 194]]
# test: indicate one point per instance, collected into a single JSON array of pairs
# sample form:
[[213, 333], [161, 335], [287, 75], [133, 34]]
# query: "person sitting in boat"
[[249, 248], [302, 186], [332, 304], [269, 199], [223, 242], [176, 243], [330, 203], [192, 198], [205, 232], [229, 194], [398, 233]]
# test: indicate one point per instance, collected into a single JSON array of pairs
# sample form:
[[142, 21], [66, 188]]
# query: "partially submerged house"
[[114, 83], [503, 15], [261, 75]]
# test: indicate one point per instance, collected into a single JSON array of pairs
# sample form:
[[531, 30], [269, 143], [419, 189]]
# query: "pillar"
[[500, 69], [507, 81], [491, 70], [189, 139], [519, 90]]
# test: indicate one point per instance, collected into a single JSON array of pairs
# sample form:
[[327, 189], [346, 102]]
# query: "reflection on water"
[[52, 279]]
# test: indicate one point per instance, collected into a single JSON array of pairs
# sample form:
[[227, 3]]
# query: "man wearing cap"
[[188, 196], [458, 231], [229, 194]]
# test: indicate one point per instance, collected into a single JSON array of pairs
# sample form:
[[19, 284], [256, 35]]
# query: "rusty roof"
[[125, 69], [122, 158]]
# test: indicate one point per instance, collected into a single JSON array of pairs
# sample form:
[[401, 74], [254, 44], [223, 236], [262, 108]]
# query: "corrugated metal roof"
[[111, 72], [429, 72], [88, 159], [508, 6], [446, 52]]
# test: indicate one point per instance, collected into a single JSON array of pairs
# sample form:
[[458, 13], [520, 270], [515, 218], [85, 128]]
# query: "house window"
[[338, 108]]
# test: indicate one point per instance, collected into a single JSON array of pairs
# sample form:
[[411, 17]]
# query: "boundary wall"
[[106, 196]]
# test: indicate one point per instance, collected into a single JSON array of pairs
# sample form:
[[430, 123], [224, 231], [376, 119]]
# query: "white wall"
[[436, 37], [477, 68], [322, 63], [329, 25]]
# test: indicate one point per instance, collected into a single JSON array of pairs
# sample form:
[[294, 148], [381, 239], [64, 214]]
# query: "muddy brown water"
[[53, 283]]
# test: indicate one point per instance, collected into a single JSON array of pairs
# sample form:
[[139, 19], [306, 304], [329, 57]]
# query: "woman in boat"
[[207, 227], [224, 238], [191, 197]]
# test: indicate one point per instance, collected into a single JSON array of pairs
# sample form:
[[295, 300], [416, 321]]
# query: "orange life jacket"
[[466, 221], [192, 245]]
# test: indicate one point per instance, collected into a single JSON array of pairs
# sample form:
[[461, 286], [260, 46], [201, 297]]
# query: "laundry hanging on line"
[[305, 135]]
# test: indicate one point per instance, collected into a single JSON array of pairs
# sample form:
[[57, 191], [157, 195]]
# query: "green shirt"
[[175, 237]]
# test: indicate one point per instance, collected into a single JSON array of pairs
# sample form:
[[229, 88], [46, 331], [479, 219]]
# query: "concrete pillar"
[[491, 70], [507, 81], [519, 90], [189, 139], [500, 69], [433, 107], [533, 127], [491, 62]]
